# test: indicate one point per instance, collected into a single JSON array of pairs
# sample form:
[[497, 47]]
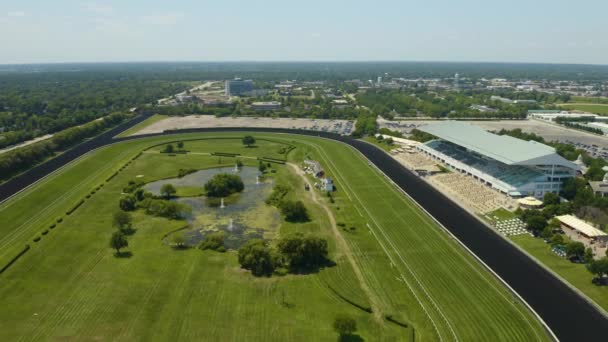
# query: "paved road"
[[568, 315]]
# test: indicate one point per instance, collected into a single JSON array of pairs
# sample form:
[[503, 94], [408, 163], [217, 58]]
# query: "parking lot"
[[344, 127]]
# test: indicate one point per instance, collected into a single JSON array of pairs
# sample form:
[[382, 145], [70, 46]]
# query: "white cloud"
[[99, 8], [16, 14], [161, 19]]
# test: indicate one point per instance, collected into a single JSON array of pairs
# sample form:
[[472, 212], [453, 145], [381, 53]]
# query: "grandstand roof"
[[503, 148], [580, 225]]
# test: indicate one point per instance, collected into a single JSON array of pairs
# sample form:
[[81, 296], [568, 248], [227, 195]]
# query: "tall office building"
[[237, 87]]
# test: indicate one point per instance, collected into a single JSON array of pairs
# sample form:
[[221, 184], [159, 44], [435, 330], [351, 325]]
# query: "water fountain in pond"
[[257, 180], [236, 167], [231, 225], [222, 203]]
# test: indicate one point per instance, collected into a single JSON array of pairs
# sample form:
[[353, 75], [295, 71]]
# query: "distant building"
[[501, 99], [272, 105], [600, 188], [551, 115], [379, 80], [484, 109], [238, 87], [328, 184]]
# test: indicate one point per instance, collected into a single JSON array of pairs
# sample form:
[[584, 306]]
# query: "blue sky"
[[552, 31]]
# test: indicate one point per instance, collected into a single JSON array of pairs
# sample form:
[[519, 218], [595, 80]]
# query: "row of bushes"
[[272, 160], [15, 258], [225, 154]]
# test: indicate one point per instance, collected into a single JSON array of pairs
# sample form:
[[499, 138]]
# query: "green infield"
[[390, 258], [601, 109]]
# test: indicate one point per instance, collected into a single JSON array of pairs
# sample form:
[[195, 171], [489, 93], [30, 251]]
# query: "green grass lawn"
[[601, 109], [189, 191], [70, 286], [153, 119], [575, 274]]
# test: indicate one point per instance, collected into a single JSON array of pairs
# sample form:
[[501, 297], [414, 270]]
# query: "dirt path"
[[342, 245]]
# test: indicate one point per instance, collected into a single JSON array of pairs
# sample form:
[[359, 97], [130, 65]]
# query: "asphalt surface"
[[568, 315]]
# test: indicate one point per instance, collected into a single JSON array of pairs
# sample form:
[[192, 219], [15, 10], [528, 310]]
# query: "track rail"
[[570, 316]]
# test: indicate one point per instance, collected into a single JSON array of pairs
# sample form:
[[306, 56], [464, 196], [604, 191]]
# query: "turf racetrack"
[[568, 315]]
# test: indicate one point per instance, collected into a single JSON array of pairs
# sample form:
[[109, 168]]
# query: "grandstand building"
[[512, 166]]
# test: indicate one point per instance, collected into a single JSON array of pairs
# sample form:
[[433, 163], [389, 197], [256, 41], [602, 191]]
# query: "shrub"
[[59, 220], [37, 238], [278, 192], [214, 241], [52, 226], [294, 211], [345, 325], [44, 232], [257, 257]]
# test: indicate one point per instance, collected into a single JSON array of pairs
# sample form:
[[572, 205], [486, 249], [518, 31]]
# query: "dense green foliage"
[[34, 104], [302, 253], [164, 208], [294, 211], [223, 184], [214, 242], [278, 193], [21, 159], [366, 124], [255, 255]]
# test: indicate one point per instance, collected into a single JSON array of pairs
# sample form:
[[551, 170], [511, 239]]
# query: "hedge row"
[[75, 207], [392, 320], [225, 154], [112, 176], [12, 261], [272, 160], [357, 305]]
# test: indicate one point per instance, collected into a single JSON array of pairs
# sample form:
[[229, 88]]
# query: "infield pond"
[[243, 216]]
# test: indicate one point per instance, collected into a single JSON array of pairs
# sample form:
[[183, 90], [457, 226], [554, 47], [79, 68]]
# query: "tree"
[[118, 241], [551, 198], [536, 223], [598, 267], [262, 167], [345, 325], [575, 249], [169, 148], [180, 144], [257, 257], [224, 184], [167, 190], [122, 220], [127, 203], [248, 140], [588, 255], [557, 239], [303, 252], [294, 211]]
